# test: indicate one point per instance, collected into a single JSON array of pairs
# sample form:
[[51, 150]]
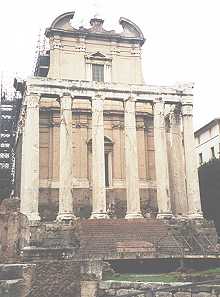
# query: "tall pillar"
[[131, 161], [161, 161], [98, 161], [30, 160], [192, 181], [66, 160], [179, 203]]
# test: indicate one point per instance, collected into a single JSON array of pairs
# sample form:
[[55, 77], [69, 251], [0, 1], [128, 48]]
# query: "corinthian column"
[[98, 161], [66, 160], [176, 164], [161, 161], [192, 181], [30, 160], [131, 161]]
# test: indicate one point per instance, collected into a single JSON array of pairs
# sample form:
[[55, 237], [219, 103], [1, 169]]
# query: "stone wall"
[[117, 288], [14, 231], [44, 279]]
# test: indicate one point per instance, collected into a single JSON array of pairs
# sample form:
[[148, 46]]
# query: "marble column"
[[192, 181], [179, 203], [161, 161], [66, 160], [131, 160], [98, 161], [30, 160]]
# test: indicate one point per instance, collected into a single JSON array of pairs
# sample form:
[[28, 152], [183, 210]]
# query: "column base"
[[33, 217], [65, 217], [99, 215], [195, 216], [164, 215], [135, 215]]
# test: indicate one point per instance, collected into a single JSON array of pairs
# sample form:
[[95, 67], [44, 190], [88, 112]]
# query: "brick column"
[[66, 160], [98, 161], [161, 161], [30, 160], [192, 181], [131, 161]]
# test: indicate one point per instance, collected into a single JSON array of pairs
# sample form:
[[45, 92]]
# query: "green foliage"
[[166, 278]]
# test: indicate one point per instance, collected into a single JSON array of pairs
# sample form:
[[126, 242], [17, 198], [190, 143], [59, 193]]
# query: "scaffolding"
[[10, 105]]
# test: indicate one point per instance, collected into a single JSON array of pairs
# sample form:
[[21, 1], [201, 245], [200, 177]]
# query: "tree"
[[209, 180]]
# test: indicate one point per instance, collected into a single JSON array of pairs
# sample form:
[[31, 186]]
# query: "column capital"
[[130, 98], [98, 96], [159, 106], [175, 115], [187, 110], [32, 100], [66, 101]]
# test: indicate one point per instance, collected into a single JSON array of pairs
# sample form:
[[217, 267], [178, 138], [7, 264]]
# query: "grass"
[[165, 278]]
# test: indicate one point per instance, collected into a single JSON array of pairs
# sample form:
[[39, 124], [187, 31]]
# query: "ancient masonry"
[[93, 135], [94, 141]]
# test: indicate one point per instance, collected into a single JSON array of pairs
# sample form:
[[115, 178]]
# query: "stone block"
[[111, 292], [121, 292], [89, 288], [105, 285], [201, 294], [163, 294], [182, 294]]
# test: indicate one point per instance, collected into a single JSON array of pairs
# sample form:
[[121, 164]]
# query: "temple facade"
[[94, 140]]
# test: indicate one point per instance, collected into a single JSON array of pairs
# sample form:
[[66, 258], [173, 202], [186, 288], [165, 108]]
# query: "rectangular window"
[[97, 72], [213, 152], [200, 159]]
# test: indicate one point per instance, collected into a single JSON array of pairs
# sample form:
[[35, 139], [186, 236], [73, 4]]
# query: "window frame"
[[100, 75], [98, 59]]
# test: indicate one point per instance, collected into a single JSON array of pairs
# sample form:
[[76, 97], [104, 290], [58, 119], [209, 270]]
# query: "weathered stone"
[[66, 160], [89, 288]]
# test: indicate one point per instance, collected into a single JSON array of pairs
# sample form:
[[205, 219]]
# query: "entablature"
[[110, 91]]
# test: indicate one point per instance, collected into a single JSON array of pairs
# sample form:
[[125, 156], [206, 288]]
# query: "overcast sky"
[[182, 40]]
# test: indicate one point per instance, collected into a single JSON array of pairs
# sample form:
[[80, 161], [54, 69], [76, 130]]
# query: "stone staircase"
[[123, 238]]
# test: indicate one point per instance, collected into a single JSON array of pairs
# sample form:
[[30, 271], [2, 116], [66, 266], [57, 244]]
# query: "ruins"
[[93, 136], [105, 167]]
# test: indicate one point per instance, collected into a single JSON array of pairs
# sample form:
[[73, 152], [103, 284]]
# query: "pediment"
[[130, 30], [98, 56]]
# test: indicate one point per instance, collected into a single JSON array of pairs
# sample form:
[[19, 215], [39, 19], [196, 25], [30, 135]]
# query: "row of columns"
[[30, 160]]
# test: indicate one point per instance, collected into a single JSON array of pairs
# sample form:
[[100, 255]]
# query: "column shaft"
[[161, 161], [192, 181], [66, 160], [98, 161], [30, 160], [176, 165], [131, 161]]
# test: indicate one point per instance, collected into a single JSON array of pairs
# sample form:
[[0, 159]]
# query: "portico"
[[97, 101]]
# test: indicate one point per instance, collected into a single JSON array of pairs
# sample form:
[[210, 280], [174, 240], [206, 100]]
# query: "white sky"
[[182, 40]]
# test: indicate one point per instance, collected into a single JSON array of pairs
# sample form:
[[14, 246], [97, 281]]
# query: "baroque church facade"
[[94, 140]]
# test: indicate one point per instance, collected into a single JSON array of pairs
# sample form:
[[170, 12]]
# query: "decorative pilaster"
[[30, 160], [192, 181], [55, 58], [161, 161], [131, 161], [98, 161], [66, 160]]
